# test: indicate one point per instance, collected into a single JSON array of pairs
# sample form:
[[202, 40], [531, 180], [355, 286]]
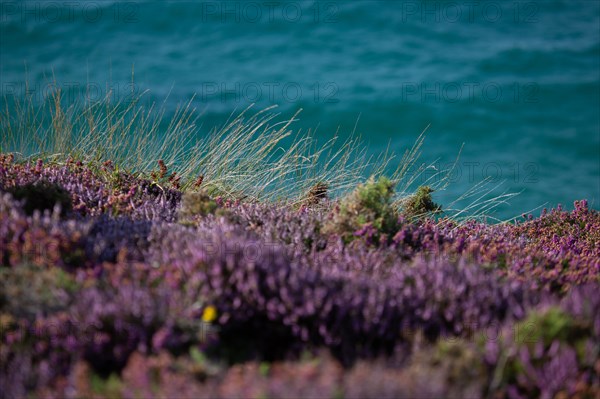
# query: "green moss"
[[42, 196]]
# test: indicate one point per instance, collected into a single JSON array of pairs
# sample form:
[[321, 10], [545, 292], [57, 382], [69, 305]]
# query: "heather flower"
[[547, 354], [114, 298]]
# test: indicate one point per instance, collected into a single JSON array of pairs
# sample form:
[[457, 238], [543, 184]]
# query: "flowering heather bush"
[[95, 191], [140, 290], [566, 245], [42, 240], [281, 304], [553, 352]]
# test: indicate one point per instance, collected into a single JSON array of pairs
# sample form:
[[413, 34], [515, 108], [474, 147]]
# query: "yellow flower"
[[209, 314]]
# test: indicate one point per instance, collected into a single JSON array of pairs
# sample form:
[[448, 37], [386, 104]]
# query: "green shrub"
[[541, 335], [548, 326], [42, 196], [420, 204], [368, 207], [194, 204]]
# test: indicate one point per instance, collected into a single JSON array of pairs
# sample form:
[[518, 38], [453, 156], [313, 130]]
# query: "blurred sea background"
[[517, 82]]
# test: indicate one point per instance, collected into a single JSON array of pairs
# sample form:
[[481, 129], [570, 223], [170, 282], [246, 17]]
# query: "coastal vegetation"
[[143, 259]]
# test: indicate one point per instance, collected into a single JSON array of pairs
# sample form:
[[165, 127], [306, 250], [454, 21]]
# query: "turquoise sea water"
[[517, 82]]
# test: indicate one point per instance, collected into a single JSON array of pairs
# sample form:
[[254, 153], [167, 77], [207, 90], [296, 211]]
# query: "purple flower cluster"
[[555, 350], [122, 296], [350, 302], [96, 191]]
